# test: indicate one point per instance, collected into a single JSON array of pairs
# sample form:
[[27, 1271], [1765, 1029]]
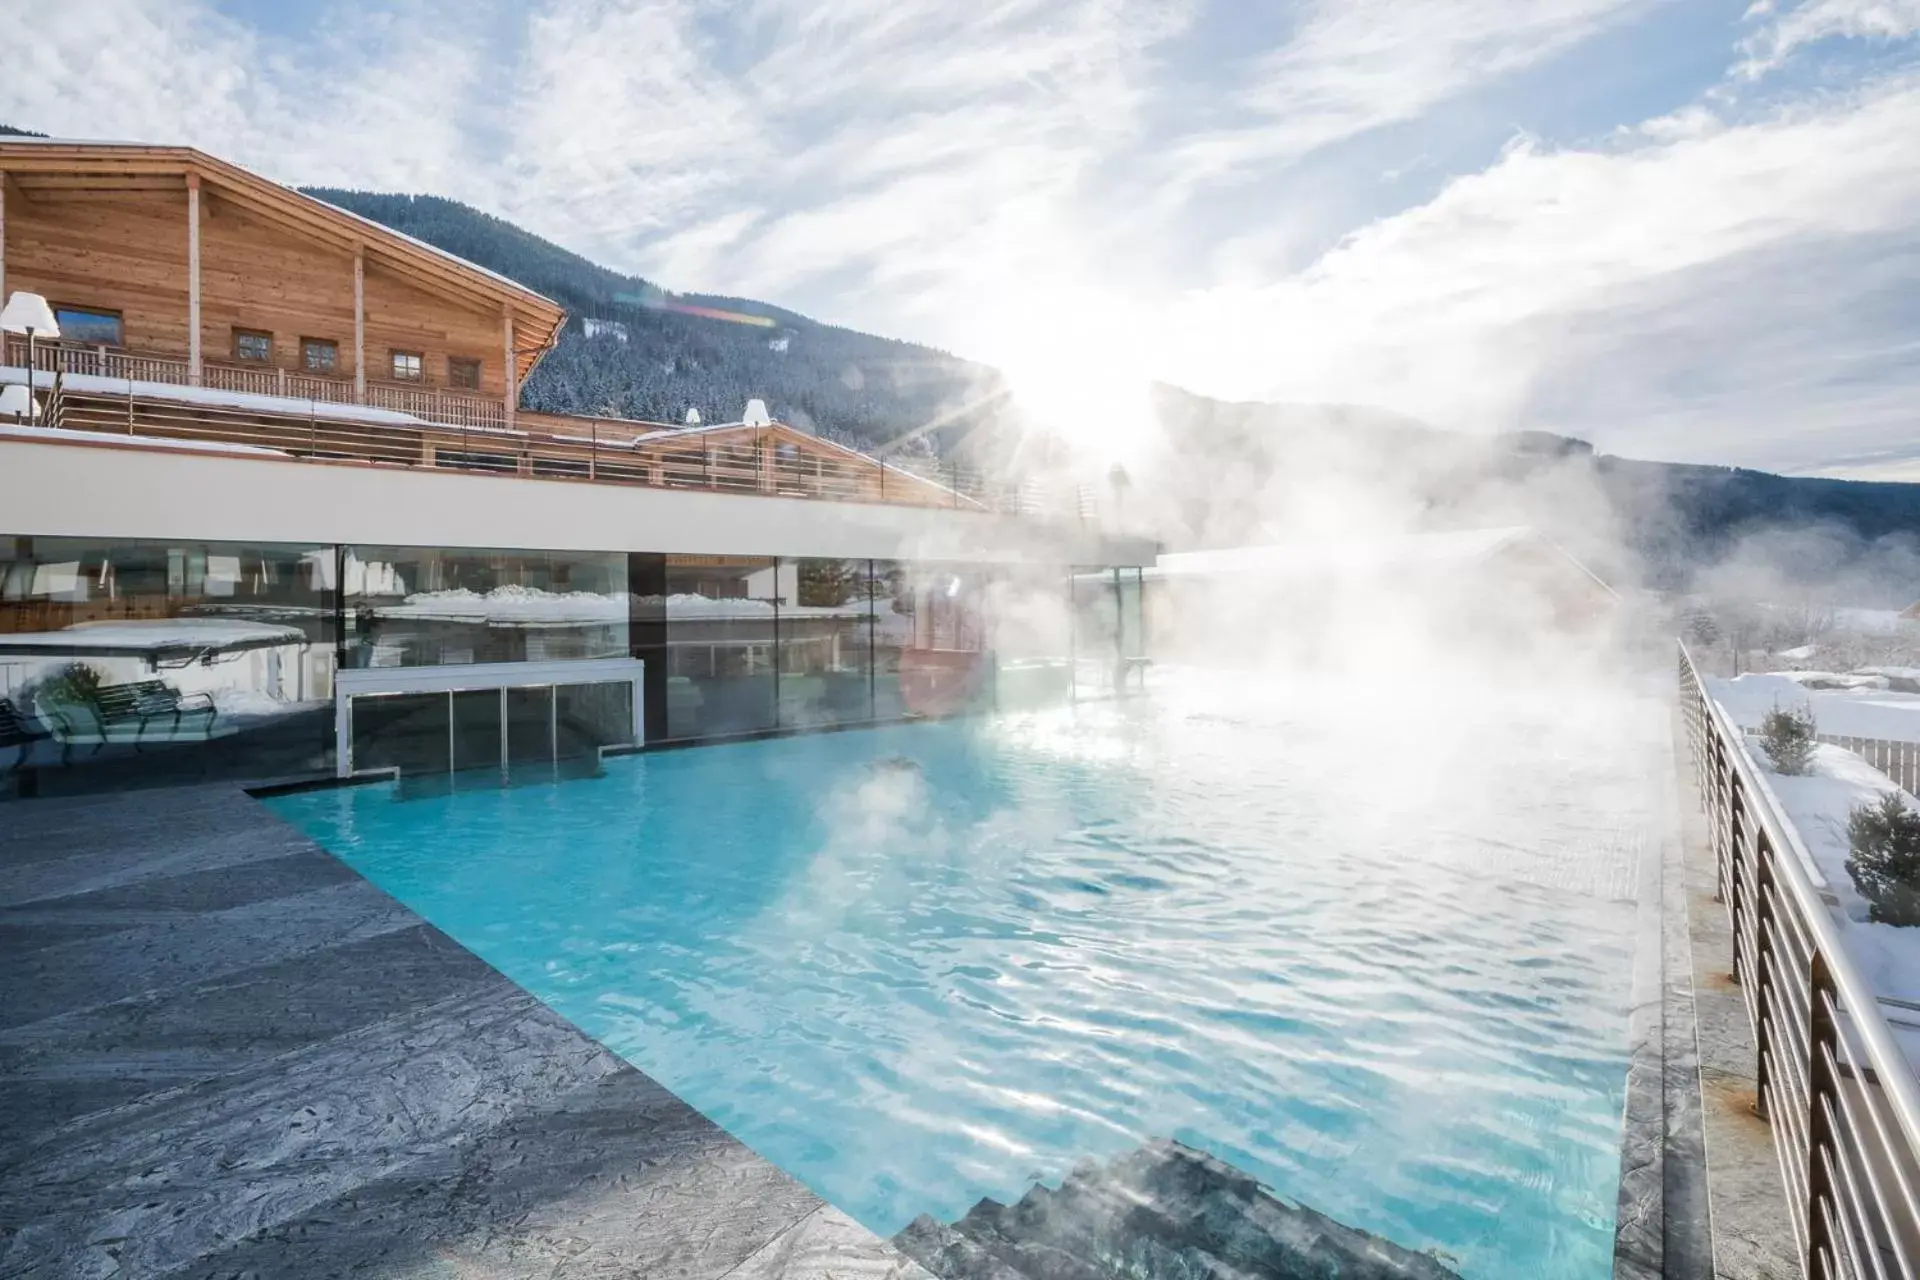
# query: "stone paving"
[[224, 1053]]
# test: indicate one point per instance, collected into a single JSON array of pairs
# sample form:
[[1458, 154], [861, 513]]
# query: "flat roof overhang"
[[97, 490]]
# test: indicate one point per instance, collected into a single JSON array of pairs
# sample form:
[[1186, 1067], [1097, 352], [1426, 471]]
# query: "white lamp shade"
[[26, 311], [15, 402]]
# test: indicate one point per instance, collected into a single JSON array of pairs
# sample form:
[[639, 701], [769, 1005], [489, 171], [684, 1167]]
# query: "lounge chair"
[[135, 714], [19, 732]]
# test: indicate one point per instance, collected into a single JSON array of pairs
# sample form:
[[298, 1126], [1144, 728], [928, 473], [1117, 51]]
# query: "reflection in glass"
[[929, 639], [590, 716], [529, 724], [1032, 635], [411, 732], [430, 606], [720, 642], [124, 663], [826, 644], [476, 729]]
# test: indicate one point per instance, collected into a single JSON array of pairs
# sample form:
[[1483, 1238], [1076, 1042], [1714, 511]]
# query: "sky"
[[1686, 230]]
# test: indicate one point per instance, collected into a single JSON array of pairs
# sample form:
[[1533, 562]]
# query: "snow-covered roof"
[[152, 637], [517, 606], [60, 435]]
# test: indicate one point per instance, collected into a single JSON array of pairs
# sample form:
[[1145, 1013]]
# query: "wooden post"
[[3, 245], [359, 325], [513, 369], [193, 279]]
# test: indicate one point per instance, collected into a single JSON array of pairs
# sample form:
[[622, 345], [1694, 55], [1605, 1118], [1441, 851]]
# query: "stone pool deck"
[[225, 1054]]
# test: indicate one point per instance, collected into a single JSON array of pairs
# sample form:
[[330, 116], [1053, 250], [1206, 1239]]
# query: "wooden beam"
[[3, 247], [193, 279], [513, 367], [359, 324]]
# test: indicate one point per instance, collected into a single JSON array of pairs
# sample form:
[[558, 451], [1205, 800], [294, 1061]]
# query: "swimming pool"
[[1385, 972]]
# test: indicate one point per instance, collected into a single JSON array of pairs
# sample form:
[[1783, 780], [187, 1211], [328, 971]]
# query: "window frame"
[[331, 369], [464, 362], [240, 334], [419, 358], [118, 317]]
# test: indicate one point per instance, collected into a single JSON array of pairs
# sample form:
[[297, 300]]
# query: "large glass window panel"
[[1097, 664], [720, 644], [930, 638], [826, 634], [1131, 602], [126, 662], [529, 724], [476, 729], [1032, 635], [434, 606], [411, 732], [590, 716]]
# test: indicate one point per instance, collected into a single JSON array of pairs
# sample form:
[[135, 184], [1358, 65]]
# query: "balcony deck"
[[149, 399]]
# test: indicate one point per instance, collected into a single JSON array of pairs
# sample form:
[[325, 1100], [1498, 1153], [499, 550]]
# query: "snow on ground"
[[1819, 804], [1859, 712]]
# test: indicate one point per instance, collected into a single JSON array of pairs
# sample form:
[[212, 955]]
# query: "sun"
[[1078, 366]]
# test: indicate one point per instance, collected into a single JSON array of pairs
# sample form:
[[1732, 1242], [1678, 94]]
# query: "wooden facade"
[[212, 277], [209, 264]]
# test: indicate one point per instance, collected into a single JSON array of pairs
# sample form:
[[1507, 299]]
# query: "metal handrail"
[[1833, 1082]]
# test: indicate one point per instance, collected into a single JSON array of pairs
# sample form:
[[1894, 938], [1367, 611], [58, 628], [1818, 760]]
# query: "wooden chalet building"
[[302, 328], [278, 512]]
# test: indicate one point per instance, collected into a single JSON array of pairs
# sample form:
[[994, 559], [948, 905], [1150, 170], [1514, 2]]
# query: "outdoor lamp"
[[16, 401], [28, 313]]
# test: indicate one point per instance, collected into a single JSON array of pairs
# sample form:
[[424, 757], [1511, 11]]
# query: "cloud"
[[1769, 48], [1353, 67], [1483, 305], [1109, 188]]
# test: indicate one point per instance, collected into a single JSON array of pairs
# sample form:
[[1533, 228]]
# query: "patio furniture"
[[19, 732], [133, 714]]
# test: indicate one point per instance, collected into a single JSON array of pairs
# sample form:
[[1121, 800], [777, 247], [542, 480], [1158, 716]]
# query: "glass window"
[[463, 372], [826, 642], [319, 355], [1098, 647], [407, 366], [590, 716], [90, 325], [720, 643], [129, 663], [252, 345], [929, 639], [435, 606], [1032, 635]]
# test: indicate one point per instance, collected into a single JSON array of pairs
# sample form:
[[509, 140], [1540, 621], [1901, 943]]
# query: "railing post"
[[1822, 1039], [593, 452], [1760, 970]]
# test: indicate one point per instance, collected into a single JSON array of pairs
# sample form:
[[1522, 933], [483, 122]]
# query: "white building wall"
[[103, 491]]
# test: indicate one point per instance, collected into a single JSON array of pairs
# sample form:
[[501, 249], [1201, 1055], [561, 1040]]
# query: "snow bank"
[[1857, 713]]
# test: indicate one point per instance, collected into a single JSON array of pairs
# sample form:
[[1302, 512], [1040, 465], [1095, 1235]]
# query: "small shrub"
[[75, 684], [1885, 866], [1787, 736]]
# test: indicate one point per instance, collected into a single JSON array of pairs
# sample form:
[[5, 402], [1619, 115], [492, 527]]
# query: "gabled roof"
[[58, 164]]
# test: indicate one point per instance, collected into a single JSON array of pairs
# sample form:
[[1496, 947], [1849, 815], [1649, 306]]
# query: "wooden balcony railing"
[[430, 404]]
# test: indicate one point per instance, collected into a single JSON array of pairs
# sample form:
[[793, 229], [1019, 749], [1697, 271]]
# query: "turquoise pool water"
[[915, 966]]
